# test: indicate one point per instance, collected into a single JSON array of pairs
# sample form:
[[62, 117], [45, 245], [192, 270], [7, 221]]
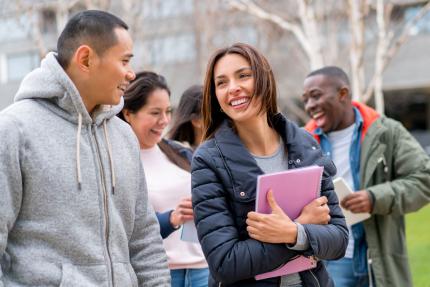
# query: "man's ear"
[[126, 113], [344, 94], [82, 57]]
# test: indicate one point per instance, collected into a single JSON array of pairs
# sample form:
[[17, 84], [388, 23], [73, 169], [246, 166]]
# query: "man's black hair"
[[92, 27], [333, 72]]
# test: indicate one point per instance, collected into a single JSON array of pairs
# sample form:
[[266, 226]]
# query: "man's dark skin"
[[327, 100]]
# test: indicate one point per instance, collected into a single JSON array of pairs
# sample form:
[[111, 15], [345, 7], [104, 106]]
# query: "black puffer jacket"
[[224, 176]]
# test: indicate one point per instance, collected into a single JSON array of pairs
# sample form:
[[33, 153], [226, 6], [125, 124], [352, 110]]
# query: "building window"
[[14, 28], [159, 9], [171, 49], [20, 64], [48, 21], [407, 13], [236, 34]]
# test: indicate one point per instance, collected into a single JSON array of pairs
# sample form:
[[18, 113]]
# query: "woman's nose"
[[233, 87], [165, 118]]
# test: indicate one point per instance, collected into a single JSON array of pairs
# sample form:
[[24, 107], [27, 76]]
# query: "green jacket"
[[396, 171]]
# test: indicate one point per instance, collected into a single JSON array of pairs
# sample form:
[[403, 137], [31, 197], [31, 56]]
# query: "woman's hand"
[[276, 227], [316, 212], [182, 213]]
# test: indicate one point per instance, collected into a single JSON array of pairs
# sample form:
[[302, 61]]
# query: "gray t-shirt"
[[275, 163]]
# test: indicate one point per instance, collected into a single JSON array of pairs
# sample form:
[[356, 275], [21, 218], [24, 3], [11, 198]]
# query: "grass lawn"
[[418, 238]]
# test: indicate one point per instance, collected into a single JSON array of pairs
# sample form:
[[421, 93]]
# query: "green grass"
[[418, 239]]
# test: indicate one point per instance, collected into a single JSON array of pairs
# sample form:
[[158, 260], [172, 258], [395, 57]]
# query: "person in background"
[[244, 137], [387, 168], [74, 207], [167, 168], [187, 119]]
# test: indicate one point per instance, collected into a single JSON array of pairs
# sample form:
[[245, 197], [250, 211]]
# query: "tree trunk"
[[356, 16]]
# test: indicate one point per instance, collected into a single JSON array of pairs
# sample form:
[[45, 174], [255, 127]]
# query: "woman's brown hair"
[[265, 87], [189, 108]]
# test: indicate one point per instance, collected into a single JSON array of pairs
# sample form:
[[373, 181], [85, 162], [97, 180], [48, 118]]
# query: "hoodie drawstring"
[[110, 155], [78, 151]]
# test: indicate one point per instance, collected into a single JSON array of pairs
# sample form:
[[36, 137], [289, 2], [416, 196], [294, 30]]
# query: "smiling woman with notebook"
[[246, 137]]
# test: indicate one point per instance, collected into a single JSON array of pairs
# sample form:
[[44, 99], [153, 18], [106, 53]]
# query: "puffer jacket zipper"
[[105, 208], [315, 277]]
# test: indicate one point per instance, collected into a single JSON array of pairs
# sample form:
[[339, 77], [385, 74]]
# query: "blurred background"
[[383, 45]]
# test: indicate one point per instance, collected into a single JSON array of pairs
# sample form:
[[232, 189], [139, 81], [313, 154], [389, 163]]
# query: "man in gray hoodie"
[[73, 199]]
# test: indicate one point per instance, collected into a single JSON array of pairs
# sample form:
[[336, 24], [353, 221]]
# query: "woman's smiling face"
[[149, 122], [234, 88]]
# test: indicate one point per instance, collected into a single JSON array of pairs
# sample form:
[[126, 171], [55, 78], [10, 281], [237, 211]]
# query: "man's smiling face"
[[324, 103]]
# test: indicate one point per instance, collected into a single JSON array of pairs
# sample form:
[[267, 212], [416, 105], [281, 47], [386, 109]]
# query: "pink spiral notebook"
[[292, 189]]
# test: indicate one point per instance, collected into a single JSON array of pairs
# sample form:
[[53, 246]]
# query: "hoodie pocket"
[[125, 275], [97, 275], [83, 275]]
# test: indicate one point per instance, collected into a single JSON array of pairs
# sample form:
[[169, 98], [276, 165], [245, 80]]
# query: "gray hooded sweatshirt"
[[73, 201]]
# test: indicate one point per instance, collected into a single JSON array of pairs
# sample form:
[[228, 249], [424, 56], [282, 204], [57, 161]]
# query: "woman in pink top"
[[167, 170]]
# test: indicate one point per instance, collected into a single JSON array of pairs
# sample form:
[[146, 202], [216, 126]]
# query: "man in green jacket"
[[386, 167]]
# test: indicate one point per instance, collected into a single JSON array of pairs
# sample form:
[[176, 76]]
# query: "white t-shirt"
[[341, 144], [167, 185]]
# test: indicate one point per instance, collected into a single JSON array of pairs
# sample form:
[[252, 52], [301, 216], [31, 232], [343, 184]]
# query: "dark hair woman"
[[167, 170], [245, 136], [187, 119]]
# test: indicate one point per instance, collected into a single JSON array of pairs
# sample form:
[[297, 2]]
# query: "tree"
[[309, 29], [388, 46]]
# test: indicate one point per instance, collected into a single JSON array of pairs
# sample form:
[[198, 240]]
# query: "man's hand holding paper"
[[356, 206], [357, 202]]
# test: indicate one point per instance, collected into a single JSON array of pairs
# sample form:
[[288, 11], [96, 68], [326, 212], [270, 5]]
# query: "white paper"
[[342, 190], [189, 232]]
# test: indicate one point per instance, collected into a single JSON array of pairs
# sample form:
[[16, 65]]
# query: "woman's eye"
[[220, 83], [244, 75]]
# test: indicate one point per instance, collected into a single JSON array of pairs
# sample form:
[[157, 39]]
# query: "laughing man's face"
[[323, 102]]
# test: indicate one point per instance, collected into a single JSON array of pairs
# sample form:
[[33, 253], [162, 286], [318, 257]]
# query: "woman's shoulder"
[[205, 147], [177, 144], [293, 132], [207, 154], [179, 148]]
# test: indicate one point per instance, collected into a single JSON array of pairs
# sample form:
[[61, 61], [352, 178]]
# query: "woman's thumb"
[[272, 202]]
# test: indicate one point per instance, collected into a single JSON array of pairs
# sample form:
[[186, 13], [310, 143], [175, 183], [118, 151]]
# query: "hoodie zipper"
[[105, 208]]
